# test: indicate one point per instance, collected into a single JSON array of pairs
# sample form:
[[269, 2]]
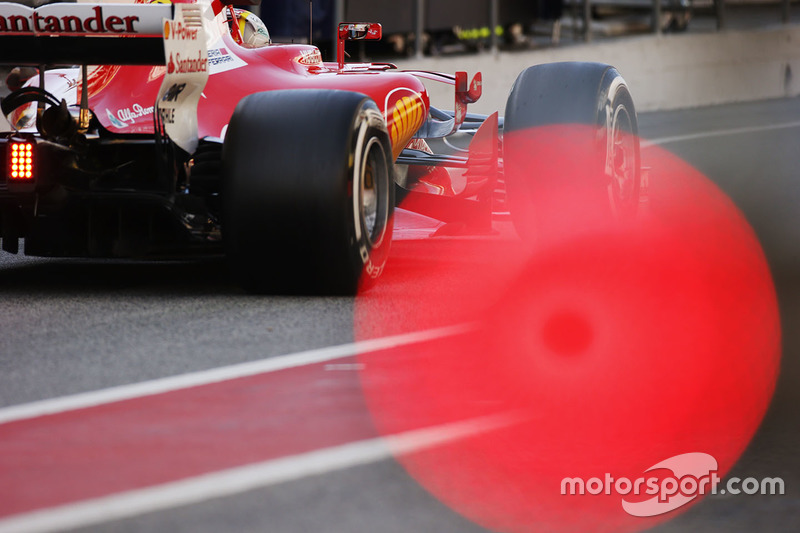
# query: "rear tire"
[[308, 196], [545, 102]]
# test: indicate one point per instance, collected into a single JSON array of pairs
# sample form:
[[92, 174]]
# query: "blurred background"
[[453, 26]]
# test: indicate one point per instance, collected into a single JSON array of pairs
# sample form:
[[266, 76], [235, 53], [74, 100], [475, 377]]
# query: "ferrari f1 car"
[[197, 135]]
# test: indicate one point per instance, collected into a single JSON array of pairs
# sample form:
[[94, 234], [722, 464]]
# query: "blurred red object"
[[614, 346]]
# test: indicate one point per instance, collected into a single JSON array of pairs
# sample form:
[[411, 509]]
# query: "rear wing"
[[83, 33], [173, 35]]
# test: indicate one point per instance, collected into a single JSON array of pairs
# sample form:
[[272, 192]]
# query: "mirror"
[[360, 31]]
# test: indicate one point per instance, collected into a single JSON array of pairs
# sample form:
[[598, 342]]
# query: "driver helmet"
[[254, 31]]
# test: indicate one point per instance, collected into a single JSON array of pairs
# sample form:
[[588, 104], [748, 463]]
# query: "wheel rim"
[[622, 161], [373, 192]]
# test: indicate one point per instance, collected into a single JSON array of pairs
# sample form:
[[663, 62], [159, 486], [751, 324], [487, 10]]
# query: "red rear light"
[[20, 161]]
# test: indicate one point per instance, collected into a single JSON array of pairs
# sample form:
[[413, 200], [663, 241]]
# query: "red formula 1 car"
[[200, 136]]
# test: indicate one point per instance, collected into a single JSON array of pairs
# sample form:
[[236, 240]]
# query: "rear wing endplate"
[[185, 77]]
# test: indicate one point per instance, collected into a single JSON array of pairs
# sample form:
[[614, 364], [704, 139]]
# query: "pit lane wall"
[[663, 72]]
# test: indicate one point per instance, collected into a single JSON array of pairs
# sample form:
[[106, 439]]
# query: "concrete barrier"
[[663, 72]]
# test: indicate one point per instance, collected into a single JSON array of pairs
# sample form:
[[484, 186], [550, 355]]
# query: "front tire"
[[308, 196], [571, 149]]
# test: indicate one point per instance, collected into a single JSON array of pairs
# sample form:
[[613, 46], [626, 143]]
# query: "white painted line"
[[242, 479], [216, 375], [718, 133]]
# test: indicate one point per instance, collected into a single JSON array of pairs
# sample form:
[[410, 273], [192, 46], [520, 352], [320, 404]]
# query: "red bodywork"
[[401, 97]]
